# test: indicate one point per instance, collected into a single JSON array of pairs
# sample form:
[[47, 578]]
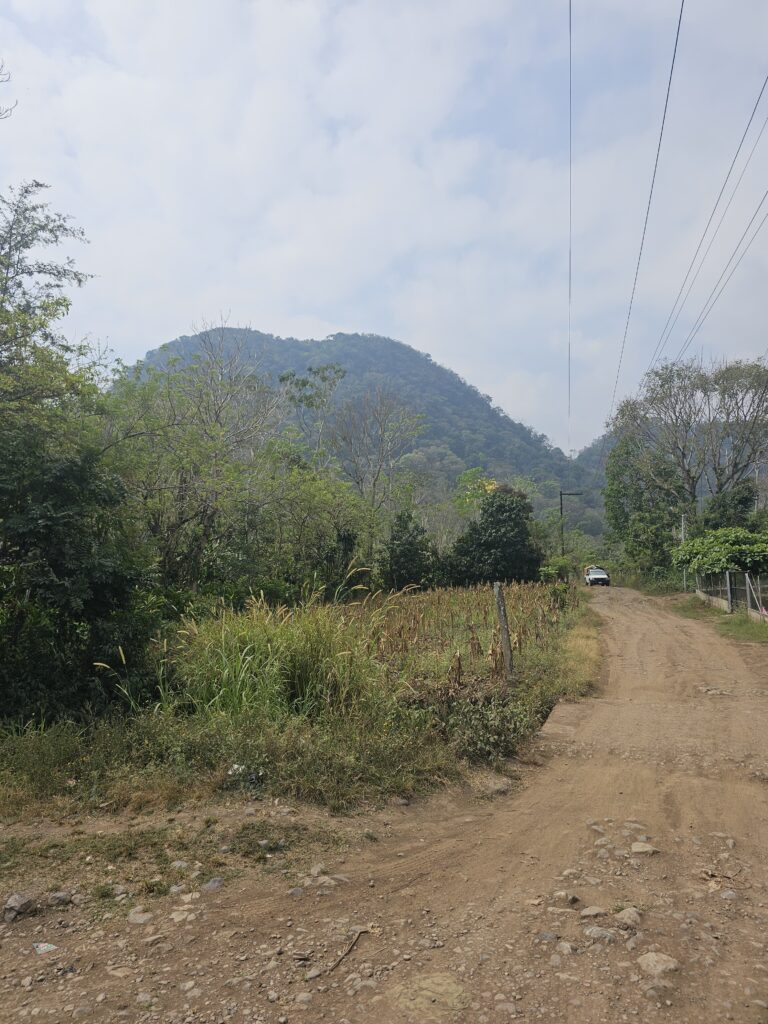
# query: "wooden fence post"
[[506, 644], [729, 593]]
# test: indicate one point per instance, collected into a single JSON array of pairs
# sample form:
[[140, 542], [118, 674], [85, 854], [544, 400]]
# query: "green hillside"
[[462, 427]]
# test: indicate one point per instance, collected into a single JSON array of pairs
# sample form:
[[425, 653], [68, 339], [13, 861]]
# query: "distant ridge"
[[462, 427]]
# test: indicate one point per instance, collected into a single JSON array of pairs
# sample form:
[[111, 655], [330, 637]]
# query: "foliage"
[[499, 545], [69, 579], [409, 557], [459, 430], [729, 548], [734, 507], [361, 700]]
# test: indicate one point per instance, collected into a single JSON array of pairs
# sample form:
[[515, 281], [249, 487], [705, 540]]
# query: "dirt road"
[[623, 879]]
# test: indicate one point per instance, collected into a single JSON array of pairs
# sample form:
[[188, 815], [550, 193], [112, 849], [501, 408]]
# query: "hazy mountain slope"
[[462, 428]]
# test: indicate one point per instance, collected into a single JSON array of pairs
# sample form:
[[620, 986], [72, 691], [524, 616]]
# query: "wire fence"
[[739, 591]]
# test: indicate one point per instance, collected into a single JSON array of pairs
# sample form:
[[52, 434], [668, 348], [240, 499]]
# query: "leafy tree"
[[68, 579], [499, 545], [643, 503], [729, 548], [697, 428], [409, 556], [735, 507]]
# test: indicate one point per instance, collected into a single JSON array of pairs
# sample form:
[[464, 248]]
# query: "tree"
[[643, 506], [369, 437], [197, 461], [5, 77], [69, 580], [408, 557], [730, 548], [697, 428], [499, 545]]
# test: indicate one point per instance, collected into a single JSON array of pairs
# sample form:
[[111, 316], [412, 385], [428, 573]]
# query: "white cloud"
[[308, 166]]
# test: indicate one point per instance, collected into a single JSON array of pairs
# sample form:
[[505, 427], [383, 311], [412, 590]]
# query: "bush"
[[499, 546]]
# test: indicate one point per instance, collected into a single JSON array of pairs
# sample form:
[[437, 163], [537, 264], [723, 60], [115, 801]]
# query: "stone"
[[18, 905], [644, 849], [591, 912], [119, 972], [179, 865], [314, 973], [318, 869], [187, 986], [303, 998], [60, 899], [140, 916], [570, 899], [213, 885], [566, 948], [657, 964], [729, 894], [629, 917], [600, 934], [502, 787]]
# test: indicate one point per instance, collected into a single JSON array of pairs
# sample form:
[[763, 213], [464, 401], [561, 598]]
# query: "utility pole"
[[566, 494]]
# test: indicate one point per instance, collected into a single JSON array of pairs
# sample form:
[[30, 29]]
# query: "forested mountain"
[[461, 427]]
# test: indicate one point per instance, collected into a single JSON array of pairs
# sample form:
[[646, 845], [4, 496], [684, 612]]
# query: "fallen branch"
[[348, 950]]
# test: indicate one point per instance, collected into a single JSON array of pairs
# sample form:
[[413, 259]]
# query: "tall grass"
[[273, 662], [335, 703]]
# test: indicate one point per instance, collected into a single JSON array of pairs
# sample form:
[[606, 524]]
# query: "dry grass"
[[364, 701]]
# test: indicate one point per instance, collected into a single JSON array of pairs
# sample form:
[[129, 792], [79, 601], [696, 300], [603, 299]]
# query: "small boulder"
[[18, 905], [590, 912], [657, 964], [570, 899], [59, 899], [644, 849], [139, 916], [213, 885], [630, 917], [600, 934]]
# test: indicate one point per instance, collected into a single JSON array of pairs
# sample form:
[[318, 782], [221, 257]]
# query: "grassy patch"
[[736, 626], [336, 705]]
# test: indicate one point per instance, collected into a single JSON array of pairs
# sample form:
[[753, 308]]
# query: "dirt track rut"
[[459, 898]]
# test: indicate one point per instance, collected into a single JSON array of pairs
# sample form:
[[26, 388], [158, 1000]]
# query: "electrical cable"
[[647, 212], [661, 343], [642, 239], [570, 204], [710, 302]]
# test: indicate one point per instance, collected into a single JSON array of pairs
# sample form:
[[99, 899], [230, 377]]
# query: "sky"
[[305, 167]]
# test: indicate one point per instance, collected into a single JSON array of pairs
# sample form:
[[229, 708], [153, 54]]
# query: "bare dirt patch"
[[645, 806]]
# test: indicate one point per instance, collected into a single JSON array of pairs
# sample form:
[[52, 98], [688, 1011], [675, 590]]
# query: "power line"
[[642, 239], [647, 212], [710, 302], [570, 202], [667, 330], [710, 244]]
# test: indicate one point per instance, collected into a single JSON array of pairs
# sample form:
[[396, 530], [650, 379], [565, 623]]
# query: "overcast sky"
[[398, 167]]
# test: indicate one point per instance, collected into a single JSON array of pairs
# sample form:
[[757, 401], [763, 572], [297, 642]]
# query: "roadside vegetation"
[[736, 626], [684, 487], [335, 704], [213, 581]]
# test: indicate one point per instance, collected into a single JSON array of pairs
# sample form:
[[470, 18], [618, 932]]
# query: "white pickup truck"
[[594, 576]]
